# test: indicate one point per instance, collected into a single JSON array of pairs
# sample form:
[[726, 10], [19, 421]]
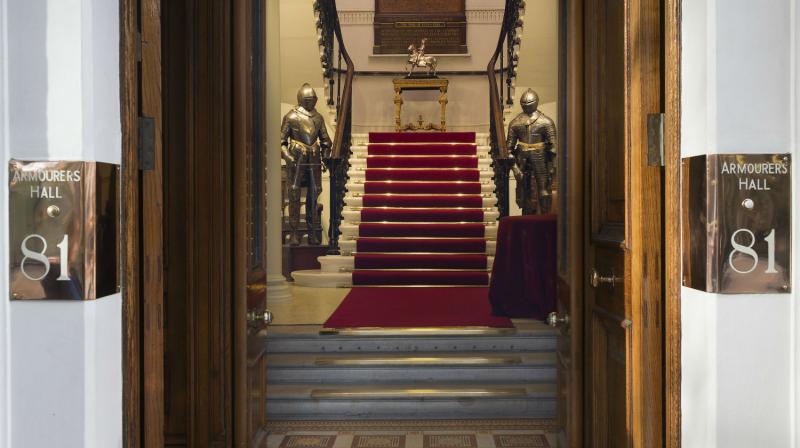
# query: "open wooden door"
[[201, 300], [610, 307], [570, 299], [623, 358], [250, 314]]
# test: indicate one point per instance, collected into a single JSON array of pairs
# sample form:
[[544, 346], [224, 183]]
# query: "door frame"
[[135, 431], [672, 222]]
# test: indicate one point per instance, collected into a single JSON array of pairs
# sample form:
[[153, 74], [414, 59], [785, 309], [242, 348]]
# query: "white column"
[[277, 287]]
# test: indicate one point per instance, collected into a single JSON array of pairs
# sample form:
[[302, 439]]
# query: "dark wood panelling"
[[570, 353], [175, 91], [129, 91], [152, 230], [606, 397], [198, 220]]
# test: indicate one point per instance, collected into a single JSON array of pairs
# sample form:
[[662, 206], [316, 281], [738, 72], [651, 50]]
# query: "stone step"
[[490, 214], [351, 231], [360, 163], [335, 264], [485, 174], [350, 402], [318, 278], [527, 336], [487, 186], [348, 247], [362, 139], [416, 368], [358, 201], [361, 151]]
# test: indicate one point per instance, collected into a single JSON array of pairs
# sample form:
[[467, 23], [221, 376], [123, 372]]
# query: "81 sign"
[[741, 251]]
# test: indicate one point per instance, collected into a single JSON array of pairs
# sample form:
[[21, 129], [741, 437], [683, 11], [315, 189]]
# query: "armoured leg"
[[294, 207], [530, 198], [542, 173], [312, 200], [527, 198], [295, 194]]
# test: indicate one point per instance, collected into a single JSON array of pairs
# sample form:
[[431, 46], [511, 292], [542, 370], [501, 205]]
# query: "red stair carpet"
[[422, 226], [366, 307], [422, 197]]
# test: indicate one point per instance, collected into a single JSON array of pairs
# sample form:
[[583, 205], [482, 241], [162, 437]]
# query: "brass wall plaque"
[[737, 225], [64, 230], [400, 23]]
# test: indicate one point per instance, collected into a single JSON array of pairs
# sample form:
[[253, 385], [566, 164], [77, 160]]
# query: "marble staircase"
[[338, 270]]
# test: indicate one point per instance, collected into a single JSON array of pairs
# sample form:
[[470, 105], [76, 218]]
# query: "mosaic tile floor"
[[454, 438]]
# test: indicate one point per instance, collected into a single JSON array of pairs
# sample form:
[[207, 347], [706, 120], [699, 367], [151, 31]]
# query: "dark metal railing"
[[339, 96], [500, 96]]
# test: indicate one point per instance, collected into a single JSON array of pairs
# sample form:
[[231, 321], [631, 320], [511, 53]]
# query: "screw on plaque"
[[748, 204], [53, 211]]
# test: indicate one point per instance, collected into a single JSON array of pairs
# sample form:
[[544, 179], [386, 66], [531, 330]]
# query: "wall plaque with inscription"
[[64, 230], [737, 225], [400, 23]]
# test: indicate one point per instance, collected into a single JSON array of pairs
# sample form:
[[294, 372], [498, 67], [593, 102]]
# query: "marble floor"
[[464, 434], [309, 306]]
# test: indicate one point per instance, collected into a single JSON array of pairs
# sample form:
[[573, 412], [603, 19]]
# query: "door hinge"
[[655, 139], [147, 143]]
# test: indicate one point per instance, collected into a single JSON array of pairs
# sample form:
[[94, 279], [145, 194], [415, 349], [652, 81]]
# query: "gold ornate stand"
[[401, 84]]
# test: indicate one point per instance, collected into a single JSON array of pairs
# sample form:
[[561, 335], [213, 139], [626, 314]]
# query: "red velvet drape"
[[523, 280]]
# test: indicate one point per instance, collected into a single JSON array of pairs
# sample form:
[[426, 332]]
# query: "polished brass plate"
[[63, 230], [419, 331], [383, 393], [418, 361], [737, 223]]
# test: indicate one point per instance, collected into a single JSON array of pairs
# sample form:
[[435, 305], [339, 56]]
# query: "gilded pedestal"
[[402, 84]]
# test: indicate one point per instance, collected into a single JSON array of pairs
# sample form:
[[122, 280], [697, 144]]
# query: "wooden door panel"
[[249, 254], [623, 237], [608, 382], [198, 172], [606, 135], [564, 363], [607, 361]]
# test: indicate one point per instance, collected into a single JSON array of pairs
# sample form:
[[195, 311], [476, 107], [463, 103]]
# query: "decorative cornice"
[[490, 16], [356, 17]]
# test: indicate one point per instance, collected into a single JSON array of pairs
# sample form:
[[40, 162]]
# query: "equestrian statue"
[[417, 58]]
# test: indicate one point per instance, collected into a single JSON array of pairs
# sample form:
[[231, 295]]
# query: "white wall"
[[5, 330], [373, 108], [538, 66], [373, 104], [62, 361], [739, 376]]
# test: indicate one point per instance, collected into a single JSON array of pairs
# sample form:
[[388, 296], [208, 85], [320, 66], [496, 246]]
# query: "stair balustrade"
[[507, 52], [339, 95]]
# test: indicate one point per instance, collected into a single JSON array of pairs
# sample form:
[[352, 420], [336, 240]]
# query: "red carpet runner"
[[422, 212], [421, 223], [415, 308]]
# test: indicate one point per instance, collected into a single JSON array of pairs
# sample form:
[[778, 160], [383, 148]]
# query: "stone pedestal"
[[296, 258], [335, 272]]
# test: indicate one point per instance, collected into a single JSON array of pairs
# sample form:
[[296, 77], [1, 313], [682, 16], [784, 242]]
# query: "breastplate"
[[531, 130], [303, 128]]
